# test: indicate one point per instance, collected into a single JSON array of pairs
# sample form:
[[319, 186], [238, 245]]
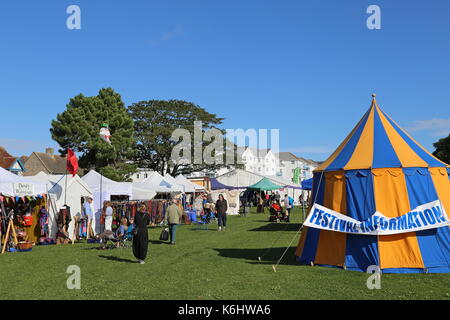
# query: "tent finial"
[[374, 95]]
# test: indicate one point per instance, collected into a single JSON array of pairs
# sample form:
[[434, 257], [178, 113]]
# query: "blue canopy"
[[216, 185], [307, 184]]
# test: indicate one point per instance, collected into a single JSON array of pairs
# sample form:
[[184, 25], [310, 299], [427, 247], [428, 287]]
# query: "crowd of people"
[[135, 228]]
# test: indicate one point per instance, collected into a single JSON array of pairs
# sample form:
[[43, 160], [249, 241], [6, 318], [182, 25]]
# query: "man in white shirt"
[[108, 216]]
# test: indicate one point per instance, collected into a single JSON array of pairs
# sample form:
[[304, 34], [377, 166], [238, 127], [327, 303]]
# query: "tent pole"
[[65, 190], [101, 199]]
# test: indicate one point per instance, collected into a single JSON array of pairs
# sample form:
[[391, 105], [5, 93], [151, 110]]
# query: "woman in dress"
[[140, 239]]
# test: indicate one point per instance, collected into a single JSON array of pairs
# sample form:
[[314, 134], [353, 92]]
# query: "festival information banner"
[[427, 216]]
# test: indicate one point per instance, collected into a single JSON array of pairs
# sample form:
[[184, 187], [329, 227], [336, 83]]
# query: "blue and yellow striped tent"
[[379, 167]]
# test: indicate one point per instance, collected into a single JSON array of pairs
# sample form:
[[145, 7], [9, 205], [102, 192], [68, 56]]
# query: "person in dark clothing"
[[140, 239], [221, 209]]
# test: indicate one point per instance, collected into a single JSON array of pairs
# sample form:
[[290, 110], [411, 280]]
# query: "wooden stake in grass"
[[274, 269]]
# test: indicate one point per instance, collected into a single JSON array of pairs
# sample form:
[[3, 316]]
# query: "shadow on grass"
[[111, 258], [267, 255], [158, 242], [282, 226]]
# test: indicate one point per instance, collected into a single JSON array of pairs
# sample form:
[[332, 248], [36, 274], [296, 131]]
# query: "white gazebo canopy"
[[14, 185], [160, 184]]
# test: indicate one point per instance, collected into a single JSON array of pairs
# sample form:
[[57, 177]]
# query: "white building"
[[282, 164], [289, 162], [141, 175], [259, 161]]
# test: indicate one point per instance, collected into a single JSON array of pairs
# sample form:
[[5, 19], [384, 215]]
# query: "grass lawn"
[[203, 265]]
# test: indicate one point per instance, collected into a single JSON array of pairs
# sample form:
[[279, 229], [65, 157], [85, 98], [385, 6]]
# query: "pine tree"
[[78, 128]]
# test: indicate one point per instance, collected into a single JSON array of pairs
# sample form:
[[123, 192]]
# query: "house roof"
[[288, 156], [53, 163], [256, 152], [6, 159]]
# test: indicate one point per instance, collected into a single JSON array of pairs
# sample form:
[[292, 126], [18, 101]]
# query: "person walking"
[[140, 239], [288, 204], [174, 215], [221, 209], [89, 213]]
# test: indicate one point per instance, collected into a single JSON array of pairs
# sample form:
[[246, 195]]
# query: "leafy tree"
[[78, 128], [443, 149], [154, 123]]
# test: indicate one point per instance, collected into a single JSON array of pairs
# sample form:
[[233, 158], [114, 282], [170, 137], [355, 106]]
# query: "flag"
[[105, 134], [72, 162]]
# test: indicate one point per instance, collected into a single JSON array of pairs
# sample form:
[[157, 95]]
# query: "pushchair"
[[209, 217], [206, 219], [276, 213]]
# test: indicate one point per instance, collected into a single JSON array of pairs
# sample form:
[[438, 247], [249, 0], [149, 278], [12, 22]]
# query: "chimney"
[[49, 151]]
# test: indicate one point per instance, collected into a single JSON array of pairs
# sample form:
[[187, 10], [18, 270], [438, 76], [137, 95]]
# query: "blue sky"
[[305, 67]]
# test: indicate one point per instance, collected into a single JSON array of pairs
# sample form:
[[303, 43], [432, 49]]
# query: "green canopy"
[[265, 184]]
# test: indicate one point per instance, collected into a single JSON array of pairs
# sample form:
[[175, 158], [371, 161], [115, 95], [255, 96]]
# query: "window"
[[137, 175], [145, 176]]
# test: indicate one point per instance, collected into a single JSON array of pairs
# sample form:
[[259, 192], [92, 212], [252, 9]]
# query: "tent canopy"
[[193, 187], [93, 179], [174, 183], [8, 180], [307, 184], [378, 142], [378, 169], [56, 184], [160, 184], [265, 184], [62, 193], [217, 185]]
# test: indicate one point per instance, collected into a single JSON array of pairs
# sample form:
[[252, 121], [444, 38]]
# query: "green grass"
[[203, 265]]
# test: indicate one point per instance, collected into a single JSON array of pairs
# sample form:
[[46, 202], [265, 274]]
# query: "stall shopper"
[[221, 209], [90, 216], [140, 239], [288, 204], [174, 215], [108, 216]]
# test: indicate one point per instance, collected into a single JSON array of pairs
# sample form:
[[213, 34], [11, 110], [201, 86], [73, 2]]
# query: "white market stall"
[[18, 191], [242, 179], [232, 197], [189, 185], [103, 188], [61, 193], [17, 186]]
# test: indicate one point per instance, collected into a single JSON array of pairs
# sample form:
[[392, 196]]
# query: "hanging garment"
[[43, 223]]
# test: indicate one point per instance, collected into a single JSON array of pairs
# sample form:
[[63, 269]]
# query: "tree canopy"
[[78, 128], [443, 149], [154, 123]]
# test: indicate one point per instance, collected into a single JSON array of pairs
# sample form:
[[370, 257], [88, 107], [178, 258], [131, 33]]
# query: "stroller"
[[125, 240], [276, 213], [206, 219]]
